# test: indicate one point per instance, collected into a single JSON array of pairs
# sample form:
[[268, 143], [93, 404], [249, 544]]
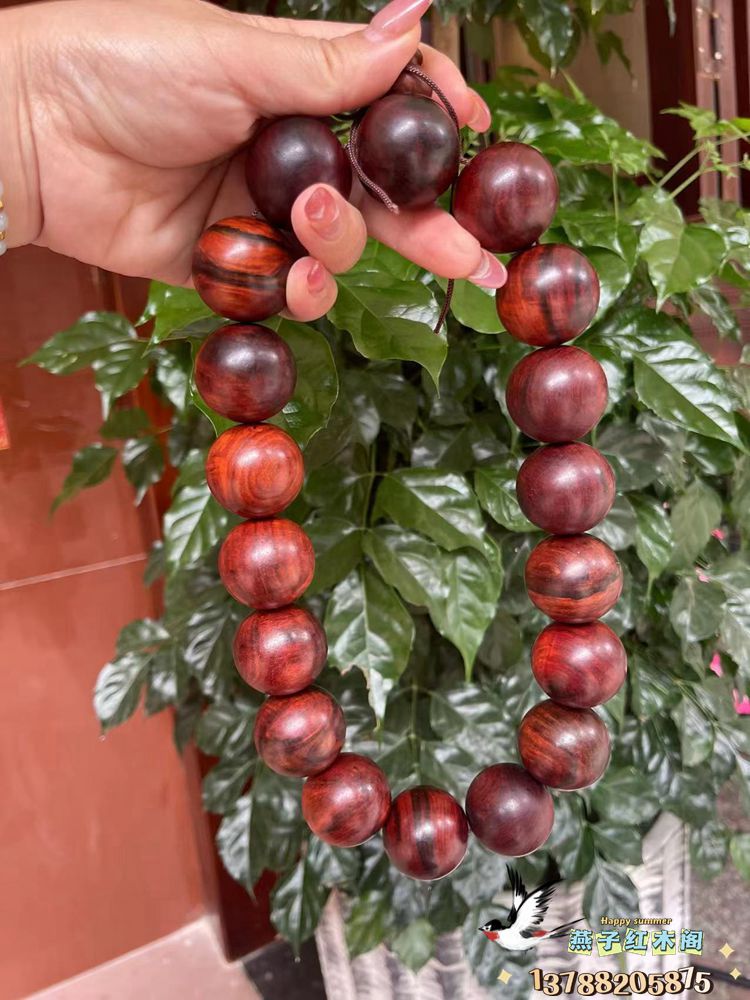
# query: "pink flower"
[[715, 665], [702, 576], [718, 533], [741, 705]]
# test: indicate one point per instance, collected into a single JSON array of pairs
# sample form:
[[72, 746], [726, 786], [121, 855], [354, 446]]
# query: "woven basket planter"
[[663, 884]]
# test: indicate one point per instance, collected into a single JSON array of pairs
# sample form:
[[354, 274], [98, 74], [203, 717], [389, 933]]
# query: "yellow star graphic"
[[726, 950], [735, 973], [505, 977]]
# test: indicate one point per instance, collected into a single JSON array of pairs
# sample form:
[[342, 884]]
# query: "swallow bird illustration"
[[523, 929]]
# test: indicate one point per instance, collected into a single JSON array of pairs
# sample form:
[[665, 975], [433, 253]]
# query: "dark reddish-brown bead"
[[280, 652], [300, 734], [506, 196], [509, 811], [245, 373], [579, 665], [563, 747], [426, 833], [255, 471], [557, 394], [240, 266], [573, 578], [566, 488], [288, 155], [551, 295], [267, 564], [410, 148], [347, 803], [408, 83]]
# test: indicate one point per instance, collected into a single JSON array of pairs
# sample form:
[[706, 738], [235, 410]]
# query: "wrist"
[[18, 164]]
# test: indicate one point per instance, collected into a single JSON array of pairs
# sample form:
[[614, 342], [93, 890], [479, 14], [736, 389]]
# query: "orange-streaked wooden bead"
[[347, 803], [579, 665], [300, 734], [245, 372], [267, 564], [426, 833], [280, 652], [573, 578], [551, 295], [240, 267], [255, 471], [563, 747]]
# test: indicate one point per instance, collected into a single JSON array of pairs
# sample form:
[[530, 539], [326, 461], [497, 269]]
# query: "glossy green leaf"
[[733, 573], [80, 345], [709, 847], [625, 796], [120, 370], [653, 541], [388, 318], [125, 423], [609, 890], [551, 25], [143, 461], [368, 627], [697, 609], [694, 516], [297, 902], [740, 851], [437, 504], [178, 312], [225, 782], [474, 307], [495, 486], [338, 549], [696, 733], [91, 466], [317, 380], [415, 944], [118, 688], [193, 524]]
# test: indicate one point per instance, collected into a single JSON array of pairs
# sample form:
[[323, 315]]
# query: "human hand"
[[128, 117]]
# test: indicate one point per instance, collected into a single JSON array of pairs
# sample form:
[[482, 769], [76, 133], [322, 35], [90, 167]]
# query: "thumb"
[[290, 73]]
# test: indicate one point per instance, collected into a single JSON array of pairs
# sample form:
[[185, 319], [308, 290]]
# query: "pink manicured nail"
[[323, 214], [490, 273], [317, 279], [481, 119], [395, 19]]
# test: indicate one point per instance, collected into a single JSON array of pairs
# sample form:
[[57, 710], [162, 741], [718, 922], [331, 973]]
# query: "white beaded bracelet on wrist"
[[3, 223]]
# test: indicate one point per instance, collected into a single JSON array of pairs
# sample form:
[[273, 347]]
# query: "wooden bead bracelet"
[[556, 394]]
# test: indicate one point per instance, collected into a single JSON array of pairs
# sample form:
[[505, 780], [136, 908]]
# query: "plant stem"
[[694, 152], [615, 197]]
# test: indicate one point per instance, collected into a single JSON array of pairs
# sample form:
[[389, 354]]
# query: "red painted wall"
[[97, 849]]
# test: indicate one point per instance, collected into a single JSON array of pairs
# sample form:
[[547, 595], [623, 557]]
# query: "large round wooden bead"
[[288, 155], [426, 833], [280, 652], [267, 564], [566, 488], [509, 811], [240, 266], [557, 394], [347, 803], [255, 471], [245, 373], [563, 747], [301, 734], [410, 148], [573, 578], [579, 665], [551, 295], [506, 196]]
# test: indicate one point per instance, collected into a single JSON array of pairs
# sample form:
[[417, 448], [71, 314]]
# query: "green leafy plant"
[[420, 544]]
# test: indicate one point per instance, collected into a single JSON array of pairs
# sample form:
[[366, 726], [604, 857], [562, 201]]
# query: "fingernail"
[[323, 214], [395, 19], [481, 119], [490, 273], [317, 278]]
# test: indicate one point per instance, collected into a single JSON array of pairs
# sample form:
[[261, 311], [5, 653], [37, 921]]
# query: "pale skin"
[[124, 121]]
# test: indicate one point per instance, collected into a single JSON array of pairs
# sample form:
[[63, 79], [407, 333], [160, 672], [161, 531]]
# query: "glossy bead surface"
[[426, 833], [506, 196], [288, 155], [510, 812], [579, 665], [240, 266], [563, 747], [409, 147], [255, 471], [280, 652], [347, 803], [573, 578], [267, 564], [245, 373], [551, 295], [565, 488], [557, 394], [301, 734]]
